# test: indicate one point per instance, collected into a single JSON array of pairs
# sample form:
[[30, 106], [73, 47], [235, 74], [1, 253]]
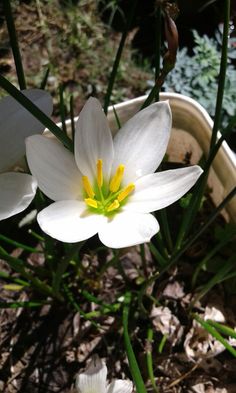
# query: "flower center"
[[105, 198]]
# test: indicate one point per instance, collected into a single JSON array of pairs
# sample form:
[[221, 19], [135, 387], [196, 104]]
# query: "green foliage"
[[197, 75]]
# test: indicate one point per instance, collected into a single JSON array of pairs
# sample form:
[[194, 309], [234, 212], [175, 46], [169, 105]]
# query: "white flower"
[[94, 380], [109, 187], [18, 189]]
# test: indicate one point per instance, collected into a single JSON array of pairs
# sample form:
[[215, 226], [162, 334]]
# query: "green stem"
[[161, 246], [36, 112], [111, 262], [149, 360], [134, 368], [159, 258], [77, 308], [162, 343], [228, 331], [63, 265], [36, 235], [142, 291], [18, 266], [210, 255], [212, 217], [62, 108], [30, 304], [216, 279], [185, 246], [20, 245], [116, 117], [45, 79], [215, 334], [18, 281], [201, 184], [14, 43], [165, 229], [143, 259], [157, 46], [222, 74], [93, 299], [118, 57], [151, 97], [72, 117], [162, 214]]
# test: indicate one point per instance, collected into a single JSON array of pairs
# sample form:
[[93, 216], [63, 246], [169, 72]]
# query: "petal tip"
[[198, 170]]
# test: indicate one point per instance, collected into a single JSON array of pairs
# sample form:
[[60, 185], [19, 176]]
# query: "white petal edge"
[[142, 142], [120, 386], [127, 229], [69, 221], [93, 140], [54, 168], [17, 190], [16, 123], [158, 190], [93, 380]]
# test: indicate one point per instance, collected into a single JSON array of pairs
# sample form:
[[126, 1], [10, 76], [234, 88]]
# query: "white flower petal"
[[120, 386], [158, 190], [127, 229], [93, 380], [141, 143], [69, 221], [16, 192], [54, 168], [93, 140], [16, 123]]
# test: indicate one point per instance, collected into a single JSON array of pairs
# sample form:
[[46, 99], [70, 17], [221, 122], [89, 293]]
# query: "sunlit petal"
[[54, 168], [69, 221], [93, 140], [141, 143], [16, 192], [128, 229], [120, 386], [16, 123], [158, 190], [93, 380]]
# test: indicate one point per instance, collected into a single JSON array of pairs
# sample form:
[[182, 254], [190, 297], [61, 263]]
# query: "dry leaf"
[[167, 323]]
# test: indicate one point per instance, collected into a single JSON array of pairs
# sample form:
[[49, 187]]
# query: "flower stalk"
[[134, 368], [196, 199], [169, 59], [14, 43], [118, 56]]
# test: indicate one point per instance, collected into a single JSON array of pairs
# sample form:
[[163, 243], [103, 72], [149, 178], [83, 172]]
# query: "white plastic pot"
[[191, 133]]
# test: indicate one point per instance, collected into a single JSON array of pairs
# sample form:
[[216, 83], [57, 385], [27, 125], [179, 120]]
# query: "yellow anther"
[[117, 178], [99, 173], [125, 192], [91, 202], [87, 186], [113, 206]]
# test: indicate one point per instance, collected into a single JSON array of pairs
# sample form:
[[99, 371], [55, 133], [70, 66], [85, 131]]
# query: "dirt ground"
[[43, 348]]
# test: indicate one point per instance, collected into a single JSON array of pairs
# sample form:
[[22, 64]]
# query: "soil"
[[42, 348], [76, 47]]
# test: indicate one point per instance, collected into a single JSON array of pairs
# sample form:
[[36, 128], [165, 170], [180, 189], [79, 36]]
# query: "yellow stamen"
[[87, 186], [125, 192], [91, 202], [117, 178], [99, 173], [113, 206]]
